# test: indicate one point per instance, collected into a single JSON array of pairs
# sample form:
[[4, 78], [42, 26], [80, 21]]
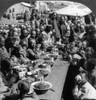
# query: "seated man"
[[91, 68], [4, 62], [3, 88], [83, 89], [14, 61], [23, 52], [43, 39], [32, 52], [9, 75], [3, 52]]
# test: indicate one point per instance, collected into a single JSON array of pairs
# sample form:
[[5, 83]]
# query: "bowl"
[[43, 65], [49, 49], [44, 72], [52, 55], [55, 50], [48, 62], [47, 58], [41, 87]]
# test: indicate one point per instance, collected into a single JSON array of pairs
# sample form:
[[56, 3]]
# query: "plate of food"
[[41, 87]]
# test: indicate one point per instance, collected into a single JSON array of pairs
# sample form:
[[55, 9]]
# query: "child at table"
[[21, 91], [25, 92]]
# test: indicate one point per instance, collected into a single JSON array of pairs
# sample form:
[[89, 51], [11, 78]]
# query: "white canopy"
[[75, 9], [26, 4]]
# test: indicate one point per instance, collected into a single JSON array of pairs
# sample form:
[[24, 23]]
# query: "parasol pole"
[[39, 6], [23, 7], [30, 5]]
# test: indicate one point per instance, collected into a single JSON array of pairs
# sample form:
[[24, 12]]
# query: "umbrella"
[[75, 9]]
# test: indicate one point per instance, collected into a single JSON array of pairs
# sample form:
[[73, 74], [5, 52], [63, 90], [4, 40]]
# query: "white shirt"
[[87, 91]]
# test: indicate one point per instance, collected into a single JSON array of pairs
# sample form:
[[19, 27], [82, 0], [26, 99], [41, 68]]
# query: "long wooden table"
[[57, 78]]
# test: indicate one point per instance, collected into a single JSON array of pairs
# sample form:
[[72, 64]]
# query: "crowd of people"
[[21, 45]]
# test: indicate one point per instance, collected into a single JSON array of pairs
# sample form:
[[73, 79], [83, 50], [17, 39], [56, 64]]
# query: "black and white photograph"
[[47, 50]]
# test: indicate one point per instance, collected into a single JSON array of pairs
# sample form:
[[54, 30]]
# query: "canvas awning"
[[76, 9]]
